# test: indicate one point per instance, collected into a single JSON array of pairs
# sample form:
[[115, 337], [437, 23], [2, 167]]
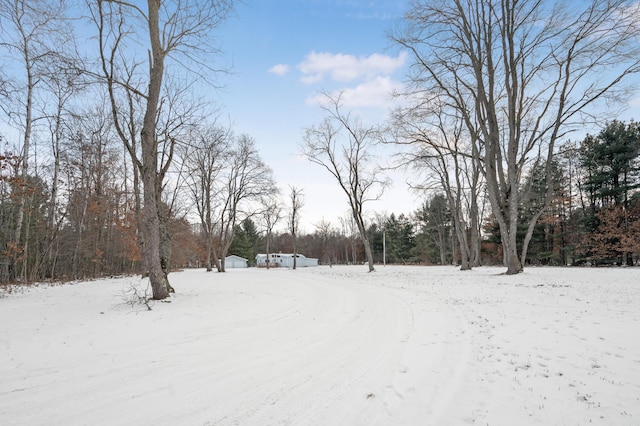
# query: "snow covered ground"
[[328, 346]]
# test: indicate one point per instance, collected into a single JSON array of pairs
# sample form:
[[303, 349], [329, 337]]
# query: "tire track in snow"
[[248, 347], [327, 346], [336, 350], [432, 374]]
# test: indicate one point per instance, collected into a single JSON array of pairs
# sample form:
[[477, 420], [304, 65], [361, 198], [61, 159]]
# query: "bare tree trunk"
[[442, 246], [151, 228], [474, 243], [474, 210], [267, 249], [79, 240], [208, 248], [22, 180], [271, 214], [52, 224], [17, 16], [297, 202], [365, 242], [354, 250], [139, 218], [165, 242]]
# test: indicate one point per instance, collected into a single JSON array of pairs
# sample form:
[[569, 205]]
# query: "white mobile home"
[[285, 260]]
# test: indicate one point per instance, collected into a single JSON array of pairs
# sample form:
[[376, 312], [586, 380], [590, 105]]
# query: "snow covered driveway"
[[328, 346]]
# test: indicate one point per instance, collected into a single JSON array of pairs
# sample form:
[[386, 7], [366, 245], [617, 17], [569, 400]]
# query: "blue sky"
[[284, 54]]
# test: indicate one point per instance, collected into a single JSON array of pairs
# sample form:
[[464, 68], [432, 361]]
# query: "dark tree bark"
[[297, 202]]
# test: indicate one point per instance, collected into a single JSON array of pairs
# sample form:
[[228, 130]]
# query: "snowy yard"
[[328, 346]]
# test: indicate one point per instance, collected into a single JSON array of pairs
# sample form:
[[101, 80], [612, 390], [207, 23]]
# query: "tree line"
[[593, 219], [111, 162]]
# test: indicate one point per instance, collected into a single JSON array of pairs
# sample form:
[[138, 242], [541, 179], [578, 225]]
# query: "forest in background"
[[594, 218], [110, 164]]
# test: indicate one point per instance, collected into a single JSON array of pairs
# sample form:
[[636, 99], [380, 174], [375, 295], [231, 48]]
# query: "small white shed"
[[234, 261]]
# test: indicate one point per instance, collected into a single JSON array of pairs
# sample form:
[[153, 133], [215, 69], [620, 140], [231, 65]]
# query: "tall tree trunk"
[[208, 247], [474, 209], [514, 264], [24, 165], [503, 203], [474, 237], [151, 228], [365, 242], [267, 248], [139, 217], [52, 224], [165, 243], [442, 245], [462, 240]]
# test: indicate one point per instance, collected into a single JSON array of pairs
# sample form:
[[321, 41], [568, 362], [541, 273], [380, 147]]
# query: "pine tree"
[[611, 169]]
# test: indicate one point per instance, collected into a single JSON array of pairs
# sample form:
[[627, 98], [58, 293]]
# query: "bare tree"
[[89, 161], [519, 74], [205, 159], [178, 114], [297, 202], [350, 230], [62, 86], [342, 145], [31, 33], [327, 234], [179, 30], [270, 216], [441, 151], [245, 182], [125, 97]]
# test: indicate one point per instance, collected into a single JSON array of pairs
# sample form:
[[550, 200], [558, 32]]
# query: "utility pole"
[[384, 248]]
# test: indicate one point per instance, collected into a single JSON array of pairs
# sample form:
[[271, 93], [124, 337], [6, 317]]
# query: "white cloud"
[[376, 93], [346, 68], [280, 69]]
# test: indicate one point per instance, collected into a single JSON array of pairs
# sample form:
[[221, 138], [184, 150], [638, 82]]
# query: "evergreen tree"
[[611, 174], [434, 241], [610, 162], [245, 241], [375, 237], [400, 243], [253, 238]]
